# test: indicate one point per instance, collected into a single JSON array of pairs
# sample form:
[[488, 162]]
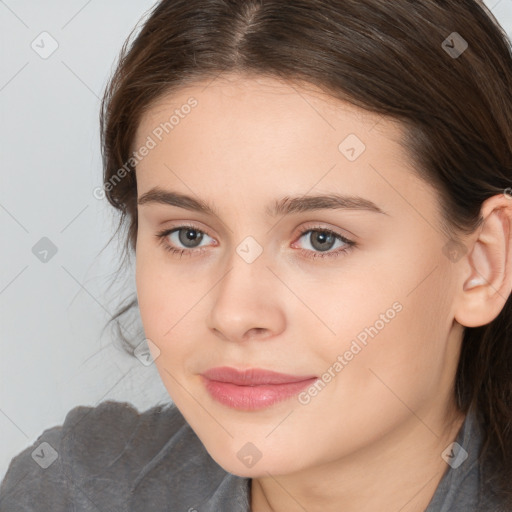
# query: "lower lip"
[[250, 398]]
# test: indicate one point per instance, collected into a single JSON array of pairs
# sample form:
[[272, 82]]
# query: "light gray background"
[[52, 356]]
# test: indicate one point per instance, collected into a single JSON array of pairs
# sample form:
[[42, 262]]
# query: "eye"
[[184, 239], [324, 240]]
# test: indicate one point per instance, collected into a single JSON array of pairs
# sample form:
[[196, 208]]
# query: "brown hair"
[[389, 57]]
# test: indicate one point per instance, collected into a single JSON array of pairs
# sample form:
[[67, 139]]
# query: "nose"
[[247, 303]]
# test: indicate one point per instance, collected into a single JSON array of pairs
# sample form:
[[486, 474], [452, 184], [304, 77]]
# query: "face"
[[351, 298]]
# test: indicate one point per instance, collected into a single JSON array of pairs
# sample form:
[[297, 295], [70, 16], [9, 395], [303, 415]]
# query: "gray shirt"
[[111, 458]]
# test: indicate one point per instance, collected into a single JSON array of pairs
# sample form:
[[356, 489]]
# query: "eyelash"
[[162, 235]]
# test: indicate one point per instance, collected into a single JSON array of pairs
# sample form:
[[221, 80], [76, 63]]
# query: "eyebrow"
[[284, 206]]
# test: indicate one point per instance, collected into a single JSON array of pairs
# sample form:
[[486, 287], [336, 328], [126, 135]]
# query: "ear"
[[486, 269]]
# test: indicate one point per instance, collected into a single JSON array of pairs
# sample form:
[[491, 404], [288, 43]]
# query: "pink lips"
[[253, 388]]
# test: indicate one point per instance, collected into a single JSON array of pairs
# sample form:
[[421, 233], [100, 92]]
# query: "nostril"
[[255, 332]]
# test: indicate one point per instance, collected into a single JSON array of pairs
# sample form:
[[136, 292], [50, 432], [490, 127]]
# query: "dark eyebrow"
[[299, 204], [159, 196], [285, 206]]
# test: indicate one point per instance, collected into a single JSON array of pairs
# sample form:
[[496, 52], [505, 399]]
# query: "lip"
[[254, 388]]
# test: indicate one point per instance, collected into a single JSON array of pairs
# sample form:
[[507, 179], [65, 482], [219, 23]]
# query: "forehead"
[[256, 98], [249, 136]]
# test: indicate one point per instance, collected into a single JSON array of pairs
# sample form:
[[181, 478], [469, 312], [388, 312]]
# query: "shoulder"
[[471, 484], [111, 442]]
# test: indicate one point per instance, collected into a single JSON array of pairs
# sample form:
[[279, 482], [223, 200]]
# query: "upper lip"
[[252, 376]]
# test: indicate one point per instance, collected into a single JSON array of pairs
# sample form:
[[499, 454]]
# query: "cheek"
[[172, 303], [391, 326], [162, 296], [165, 305], [152, 294]]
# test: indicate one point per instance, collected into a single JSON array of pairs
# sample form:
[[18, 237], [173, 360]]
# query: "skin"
[[372, 438]]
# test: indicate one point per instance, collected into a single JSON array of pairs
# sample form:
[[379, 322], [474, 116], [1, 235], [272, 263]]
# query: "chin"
[[250, 462]]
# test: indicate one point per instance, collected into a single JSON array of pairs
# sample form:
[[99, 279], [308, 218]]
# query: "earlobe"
[[488, 282]]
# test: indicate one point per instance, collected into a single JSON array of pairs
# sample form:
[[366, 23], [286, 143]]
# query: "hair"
[[385, 57]]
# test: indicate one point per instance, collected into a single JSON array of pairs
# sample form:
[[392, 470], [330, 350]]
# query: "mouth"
[[254, 388]]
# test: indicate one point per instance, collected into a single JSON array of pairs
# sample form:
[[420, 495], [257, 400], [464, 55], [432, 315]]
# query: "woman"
[[318, 197]]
